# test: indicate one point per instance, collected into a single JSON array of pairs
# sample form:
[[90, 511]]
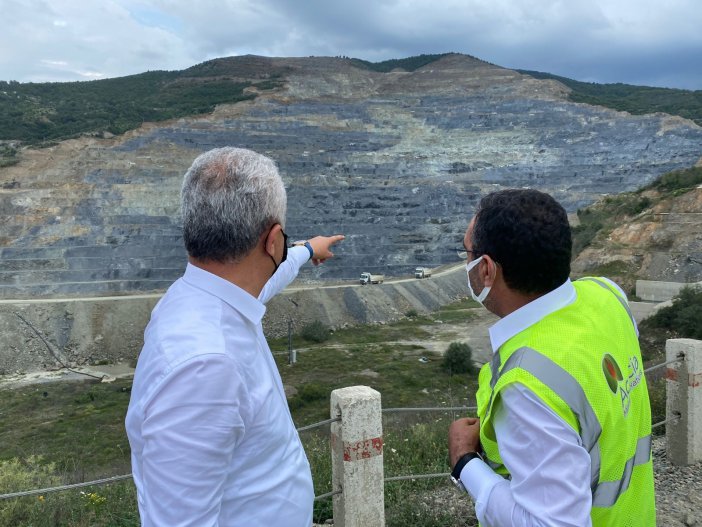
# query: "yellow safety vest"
[[584, 362]]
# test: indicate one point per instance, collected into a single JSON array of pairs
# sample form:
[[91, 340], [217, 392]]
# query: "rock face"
[[396, 161], [663, 243]]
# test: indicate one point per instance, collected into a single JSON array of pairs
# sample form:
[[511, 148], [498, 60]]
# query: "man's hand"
[[321, 247], [463, 437]]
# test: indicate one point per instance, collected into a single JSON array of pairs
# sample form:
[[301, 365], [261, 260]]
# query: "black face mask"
[[285, 253]]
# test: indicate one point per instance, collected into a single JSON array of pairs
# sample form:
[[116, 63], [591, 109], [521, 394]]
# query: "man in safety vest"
[[563, 435]]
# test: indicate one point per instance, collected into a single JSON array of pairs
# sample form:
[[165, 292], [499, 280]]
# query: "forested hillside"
[[637, 100], [38, 112]]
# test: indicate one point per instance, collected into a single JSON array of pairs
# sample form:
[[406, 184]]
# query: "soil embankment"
[[109, 330]]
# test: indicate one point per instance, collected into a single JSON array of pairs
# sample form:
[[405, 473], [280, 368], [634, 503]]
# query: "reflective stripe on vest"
[[563, 384], [623, 302], [607, 492]]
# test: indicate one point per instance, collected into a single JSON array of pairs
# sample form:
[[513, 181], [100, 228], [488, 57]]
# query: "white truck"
[[422, 272], [367, 278]]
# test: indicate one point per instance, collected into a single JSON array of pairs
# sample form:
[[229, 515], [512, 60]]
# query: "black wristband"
[[462, 462]]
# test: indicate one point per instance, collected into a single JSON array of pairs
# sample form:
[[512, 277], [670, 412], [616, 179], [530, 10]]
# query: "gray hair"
[[230, 196]]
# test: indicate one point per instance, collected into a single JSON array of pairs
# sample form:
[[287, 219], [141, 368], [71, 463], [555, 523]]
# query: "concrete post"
[[357, 457], [684, 399]]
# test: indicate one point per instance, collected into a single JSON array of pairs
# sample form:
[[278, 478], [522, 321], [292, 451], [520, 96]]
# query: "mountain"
[[395, 157]]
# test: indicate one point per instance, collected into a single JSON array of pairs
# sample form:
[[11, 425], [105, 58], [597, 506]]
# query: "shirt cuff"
[[479, 479], [300, 254]]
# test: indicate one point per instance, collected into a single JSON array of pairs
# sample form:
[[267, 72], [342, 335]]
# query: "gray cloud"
[[634, 41]]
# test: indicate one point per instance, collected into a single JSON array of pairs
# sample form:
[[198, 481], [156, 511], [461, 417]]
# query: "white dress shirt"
[[212, 439], [550, 468]]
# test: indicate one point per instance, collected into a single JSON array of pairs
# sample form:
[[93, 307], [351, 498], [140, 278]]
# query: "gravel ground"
[[678, 490], [678, 495]]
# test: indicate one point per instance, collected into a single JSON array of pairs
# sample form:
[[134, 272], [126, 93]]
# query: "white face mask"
[[484, 293]]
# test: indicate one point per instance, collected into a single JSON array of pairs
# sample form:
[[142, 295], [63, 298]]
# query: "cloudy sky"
[[647, 42]]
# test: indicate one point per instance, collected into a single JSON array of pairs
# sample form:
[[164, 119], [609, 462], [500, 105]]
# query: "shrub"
[[458, 359], [411, 313], [313, 391], [308, 393], [685, 179], [683, 316], [315, 332]]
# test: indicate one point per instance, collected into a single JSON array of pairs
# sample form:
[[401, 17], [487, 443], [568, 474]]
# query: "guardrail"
[[357, 438]]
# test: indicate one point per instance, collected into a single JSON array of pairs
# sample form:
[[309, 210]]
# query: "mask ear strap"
[[484, 293], [269, 254], [474, 263], [276, 265]]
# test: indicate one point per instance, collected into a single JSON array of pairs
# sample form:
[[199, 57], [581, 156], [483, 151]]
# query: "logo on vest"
[[617, 382]]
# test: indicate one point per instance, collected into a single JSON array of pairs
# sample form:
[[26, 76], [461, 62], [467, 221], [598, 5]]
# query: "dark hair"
[[527, 233]]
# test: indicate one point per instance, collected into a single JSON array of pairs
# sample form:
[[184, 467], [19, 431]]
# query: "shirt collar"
[[530, 314], [249, 306]]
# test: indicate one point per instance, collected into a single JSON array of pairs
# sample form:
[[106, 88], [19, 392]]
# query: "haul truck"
[[367, 278], [422, 272]]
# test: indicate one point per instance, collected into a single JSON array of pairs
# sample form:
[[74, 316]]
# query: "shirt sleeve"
[[550, 469], [286, 273], [191, 429]]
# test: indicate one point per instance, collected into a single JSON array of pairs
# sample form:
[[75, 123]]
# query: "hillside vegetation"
[[637, 100], [35, 113], [407, 64]]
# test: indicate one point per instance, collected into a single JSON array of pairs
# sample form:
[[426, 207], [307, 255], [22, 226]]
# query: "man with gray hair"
[[212, 439]]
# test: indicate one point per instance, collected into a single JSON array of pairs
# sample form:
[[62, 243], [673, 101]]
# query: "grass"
[[77, 426], [395, 371], [59, 433]]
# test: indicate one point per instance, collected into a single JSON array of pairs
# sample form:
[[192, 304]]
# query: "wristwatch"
[[304, 243], [462, 462]]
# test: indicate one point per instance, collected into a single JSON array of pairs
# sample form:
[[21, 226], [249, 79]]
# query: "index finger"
[[336, 238]]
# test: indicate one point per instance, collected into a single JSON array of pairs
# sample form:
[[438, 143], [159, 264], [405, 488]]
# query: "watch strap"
[[462, 462], [309, 248], [306, 244]]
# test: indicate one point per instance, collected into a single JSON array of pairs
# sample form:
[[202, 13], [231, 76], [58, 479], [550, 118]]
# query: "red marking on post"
[[357, 450], [671, 374], [694, 380]]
